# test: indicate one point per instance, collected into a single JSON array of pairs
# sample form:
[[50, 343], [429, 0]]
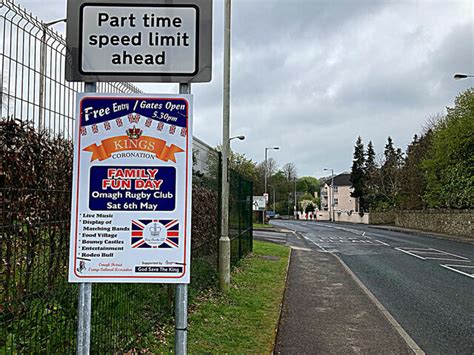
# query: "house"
[[341, 191]]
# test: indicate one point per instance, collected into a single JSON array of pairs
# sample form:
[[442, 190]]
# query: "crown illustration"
[[134, 133]]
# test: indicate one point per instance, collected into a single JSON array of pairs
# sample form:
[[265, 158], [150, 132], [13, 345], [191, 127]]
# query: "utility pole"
[[296, 206], [331, 195], [265, 174], [224, 241]]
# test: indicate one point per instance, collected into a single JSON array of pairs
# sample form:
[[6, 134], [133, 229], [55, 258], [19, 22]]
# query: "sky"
[[310, 76]]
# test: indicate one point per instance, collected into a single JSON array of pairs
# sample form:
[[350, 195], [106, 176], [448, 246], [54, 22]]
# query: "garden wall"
[[454, 222]]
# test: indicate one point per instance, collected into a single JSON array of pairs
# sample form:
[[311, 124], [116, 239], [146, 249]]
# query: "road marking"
[[407, 252], [432, 254], [408, 340], [382, 242], [444, 252], [446, 259], [449, 266], [312, 241]]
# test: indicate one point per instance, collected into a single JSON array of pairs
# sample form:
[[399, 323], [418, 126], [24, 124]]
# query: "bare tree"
[[289, 169]]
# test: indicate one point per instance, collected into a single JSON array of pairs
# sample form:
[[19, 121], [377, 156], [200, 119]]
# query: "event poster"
[[131, 201]]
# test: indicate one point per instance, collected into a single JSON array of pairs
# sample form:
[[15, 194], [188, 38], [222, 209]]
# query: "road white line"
[[410, 342], [446, 259], [319, 246], [407, 252], [382, 242], [458, 271], [444, 252]]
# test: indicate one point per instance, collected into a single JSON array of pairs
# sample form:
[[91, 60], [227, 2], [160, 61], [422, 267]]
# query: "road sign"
[[258, 203], [131, 203], [265, 195], [137, 41]]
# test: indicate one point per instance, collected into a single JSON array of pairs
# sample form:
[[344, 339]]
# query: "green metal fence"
[[240, 215]]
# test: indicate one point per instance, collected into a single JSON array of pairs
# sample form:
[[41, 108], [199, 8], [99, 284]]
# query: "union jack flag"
[[172, 129], [141, 229], [83, 131], [134, 118], [148, 122], [183, 132], [119, 122], [107, 126], [160, 126], [95, 129]]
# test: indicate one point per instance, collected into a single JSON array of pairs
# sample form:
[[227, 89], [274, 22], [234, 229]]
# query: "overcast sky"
[[310, 76]]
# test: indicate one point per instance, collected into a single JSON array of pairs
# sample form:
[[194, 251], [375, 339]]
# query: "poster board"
[[131, 200]]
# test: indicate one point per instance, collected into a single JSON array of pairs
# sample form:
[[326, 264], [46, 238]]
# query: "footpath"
[[325, 311]]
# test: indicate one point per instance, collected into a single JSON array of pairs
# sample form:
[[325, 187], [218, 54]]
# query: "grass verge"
[[244, 319]]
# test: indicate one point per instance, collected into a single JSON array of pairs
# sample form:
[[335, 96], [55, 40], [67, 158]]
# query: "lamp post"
[[331, 212], [265, 174], [296, 205], [462, 76], [224, 240]]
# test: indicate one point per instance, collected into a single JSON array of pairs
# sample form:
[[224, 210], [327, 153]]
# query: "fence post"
[[239, 210]]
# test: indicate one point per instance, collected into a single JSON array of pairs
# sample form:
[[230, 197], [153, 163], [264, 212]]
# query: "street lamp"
[[224, 240], [240, 138], [265, 174], [331, 193], [462, 76]]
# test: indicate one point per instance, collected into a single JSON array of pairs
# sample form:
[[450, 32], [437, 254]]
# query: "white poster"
[[131, 202]]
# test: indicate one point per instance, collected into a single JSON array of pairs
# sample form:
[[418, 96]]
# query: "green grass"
[[261, 225], [243, 320]]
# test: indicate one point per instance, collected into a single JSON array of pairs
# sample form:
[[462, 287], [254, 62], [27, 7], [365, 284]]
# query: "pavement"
[[422, 285], [325, 311]]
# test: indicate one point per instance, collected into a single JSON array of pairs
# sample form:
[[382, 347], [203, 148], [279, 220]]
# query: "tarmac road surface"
[[427, 284]]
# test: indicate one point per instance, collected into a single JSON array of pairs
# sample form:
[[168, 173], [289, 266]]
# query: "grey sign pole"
[[85, 294], [181, 297]]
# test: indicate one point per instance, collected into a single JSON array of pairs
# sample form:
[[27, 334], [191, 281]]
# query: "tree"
[[389, 174], [358, 174], [308, 184], [449, 162], [371, 169], [412, 176], [289, 169], [237, 162]]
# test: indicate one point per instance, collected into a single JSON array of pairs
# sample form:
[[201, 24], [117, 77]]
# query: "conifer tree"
[[371, 170], [358, 174]]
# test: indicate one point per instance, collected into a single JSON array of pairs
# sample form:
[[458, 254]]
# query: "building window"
[[336, 201], [335, 189]]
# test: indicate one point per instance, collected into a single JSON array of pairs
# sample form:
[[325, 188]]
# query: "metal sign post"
[[181, 296], [85, 294]]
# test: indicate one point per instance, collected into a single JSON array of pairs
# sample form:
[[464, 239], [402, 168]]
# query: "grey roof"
[[340, 180]]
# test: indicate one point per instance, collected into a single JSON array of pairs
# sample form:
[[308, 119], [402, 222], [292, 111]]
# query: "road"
[[427, 284]]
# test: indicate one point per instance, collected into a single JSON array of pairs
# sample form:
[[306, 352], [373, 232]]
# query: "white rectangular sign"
[[258, 203], [132, 39], [131, 202], [124, 40]]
